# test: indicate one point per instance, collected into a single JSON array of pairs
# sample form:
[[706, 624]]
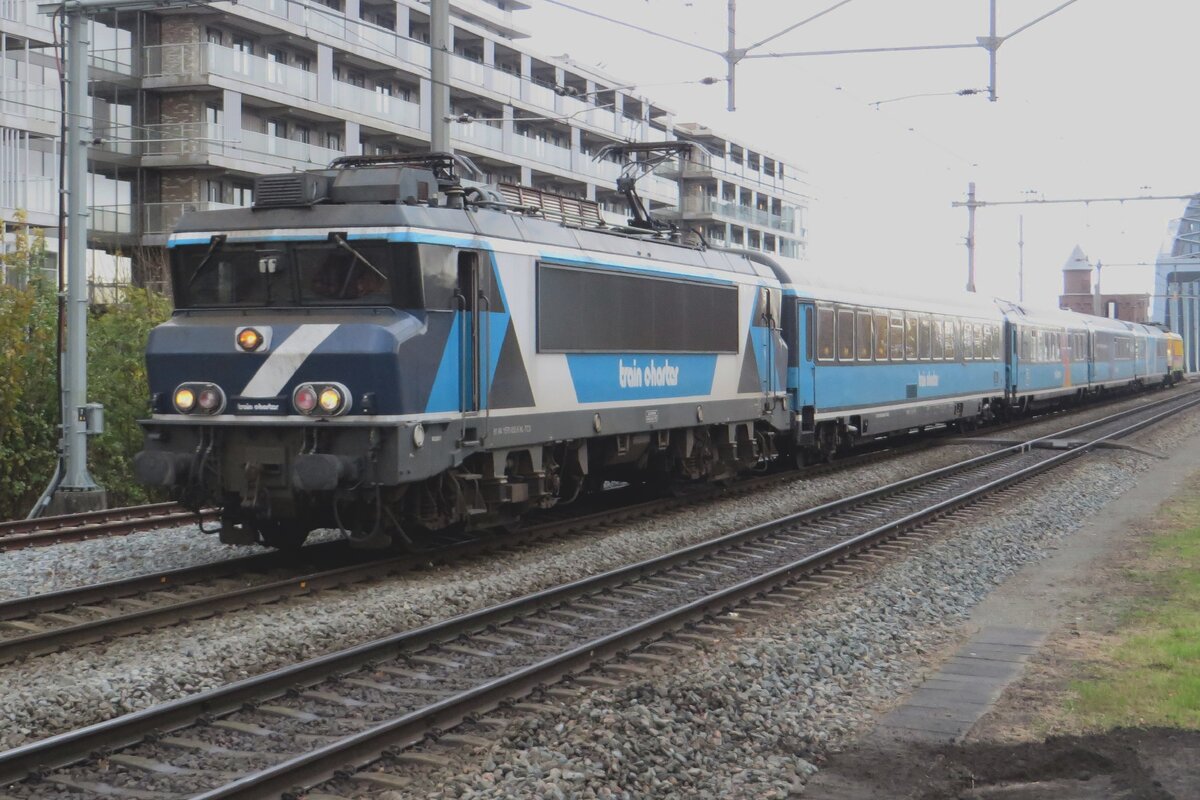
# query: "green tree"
[[29, 401], [117, 378], [28, 394]]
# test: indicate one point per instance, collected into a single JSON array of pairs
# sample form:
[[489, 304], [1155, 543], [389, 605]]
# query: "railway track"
[[60, 620], [55, 621], [301, 725], [43, 531]]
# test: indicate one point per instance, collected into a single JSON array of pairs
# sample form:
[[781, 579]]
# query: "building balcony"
[[196, 62], [710, 206], [32, 194], [203, 140], [490, 78], [542, 151], [479, 134], [376, 104], [331, 27], [22, 18], [29, 106], [117, 219]]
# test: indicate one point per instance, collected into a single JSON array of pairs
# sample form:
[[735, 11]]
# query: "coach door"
[[474, 332], [804, 382]]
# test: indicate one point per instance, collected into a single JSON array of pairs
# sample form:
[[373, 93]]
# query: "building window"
[[303, 62], [212, 113], [333, 141], [215, 36], [277, 129], [214, 191], [302, 133], [241, 194]]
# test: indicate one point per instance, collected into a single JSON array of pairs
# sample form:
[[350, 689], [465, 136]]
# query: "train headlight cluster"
[[199, 398], [321, 399]]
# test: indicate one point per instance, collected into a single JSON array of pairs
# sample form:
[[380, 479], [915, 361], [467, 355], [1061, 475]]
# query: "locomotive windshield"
[[334, 272]]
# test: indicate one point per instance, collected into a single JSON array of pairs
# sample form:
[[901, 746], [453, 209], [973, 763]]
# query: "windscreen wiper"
[[340, 241], [214, 244]]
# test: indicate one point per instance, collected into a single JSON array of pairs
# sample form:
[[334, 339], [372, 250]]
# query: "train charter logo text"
[[633, 376]]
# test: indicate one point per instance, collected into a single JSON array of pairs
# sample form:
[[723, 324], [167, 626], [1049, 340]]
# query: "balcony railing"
[[111, 219], [196, 59], [730, 210], [542, 151], [117, 59], [490, 78], [30, 100], [205, 138], [479, 133], [376, 104], [350, 33], [35, 194]]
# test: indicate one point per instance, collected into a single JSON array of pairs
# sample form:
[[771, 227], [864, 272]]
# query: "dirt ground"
[[1125, 764], [1028, 746]]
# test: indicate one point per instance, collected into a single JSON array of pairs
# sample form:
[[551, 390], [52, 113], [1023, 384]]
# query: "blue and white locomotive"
[[386, 349]]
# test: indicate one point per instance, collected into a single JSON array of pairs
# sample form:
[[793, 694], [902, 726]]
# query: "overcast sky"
[[1093, 102]]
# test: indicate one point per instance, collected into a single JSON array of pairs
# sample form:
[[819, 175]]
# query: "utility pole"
[[971, 236], [731, 55], [1021, 258], [439, 75], [72, 487]]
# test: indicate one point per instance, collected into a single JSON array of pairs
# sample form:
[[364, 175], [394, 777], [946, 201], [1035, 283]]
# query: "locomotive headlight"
[[305, 399], [185, 400], [331, 399], [321, 399], [199, 398], [418, 435], [249, 339]]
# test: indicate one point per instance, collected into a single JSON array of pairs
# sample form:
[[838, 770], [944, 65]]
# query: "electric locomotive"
[[385, 348]]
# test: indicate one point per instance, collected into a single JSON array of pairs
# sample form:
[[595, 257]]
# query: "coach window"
[[924, 338], [978, 342], [911, 324], [826, 334], [949, 339], [989, 342], [996, 348], [896, 337], [968, 342], [845, 334], [936, 334], [881, 336], [809, 343], [863, 333]]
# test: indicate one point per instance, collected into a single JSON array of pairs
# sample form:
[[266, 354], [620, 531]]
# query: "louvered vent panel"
[[557, 207]]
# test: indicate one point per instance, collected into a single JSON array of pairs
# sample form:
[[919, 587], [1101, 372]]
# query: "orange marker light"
[[249, 339]]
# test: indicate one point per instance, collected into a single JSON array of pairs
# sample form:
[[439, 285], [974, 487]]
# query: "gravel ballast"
[[63, 691], [752, 716]]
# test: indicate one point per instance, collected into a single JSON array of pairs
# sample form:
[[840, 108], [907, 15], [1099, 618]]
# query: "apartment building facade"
[[189, 105]]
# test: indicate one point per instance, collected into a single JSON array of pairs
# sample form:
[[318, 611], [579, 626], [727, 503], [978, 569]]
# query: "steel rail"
[[323, 763], [43, 531], [72, 746]]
